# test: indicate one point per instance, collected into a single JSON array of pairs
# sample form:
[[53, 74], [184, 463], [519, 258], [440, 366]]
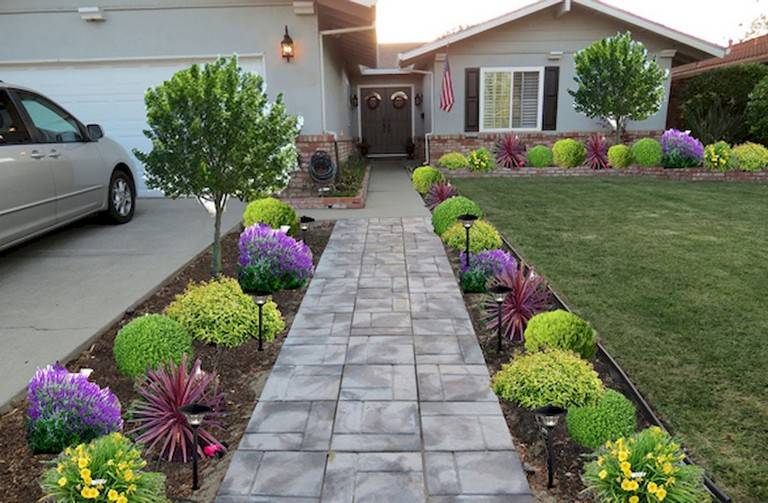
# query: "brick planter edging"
[[694, 175], [346, 203]]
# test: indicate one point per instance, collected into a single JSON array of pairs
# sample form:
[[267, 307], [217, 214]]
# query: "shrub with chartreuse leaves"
[[612, 417], [718, 157], [270, 260], [423, 178], [218, 312], [109, 468], [272, 212], [551, 377], [446, 212], [540, 156], [646, 467], [66, 409], [619, 156], [750, 156], [569, 153], [647, 153], [561, 330], [453, 160], [480, 160], [482, 236], [148, 341]]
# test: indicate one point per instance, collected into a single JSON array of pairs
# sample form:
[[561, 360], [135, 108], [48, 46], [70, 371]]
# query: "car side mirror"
[[95, 131]]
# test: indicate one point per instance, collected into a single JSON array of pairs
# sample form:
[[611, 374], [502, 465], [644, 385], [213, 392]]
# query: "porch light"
[[499, 293], [286, 46], [195, 413], [353, 101], [260, 301], [549, 416], [467, 221]]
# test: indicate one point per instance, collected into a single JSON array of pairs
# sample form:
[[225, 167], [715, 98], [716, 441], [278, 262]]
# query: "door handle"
[[54, 154], [35, 154]]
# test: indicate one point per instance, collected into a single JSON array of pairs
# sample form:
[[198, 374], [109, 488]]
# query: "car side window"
[[12, 130], [53, 123]]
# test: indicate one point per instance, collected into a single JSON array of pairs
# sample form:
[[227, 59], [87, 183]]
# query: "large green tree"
[[215, 135], [617, 82]]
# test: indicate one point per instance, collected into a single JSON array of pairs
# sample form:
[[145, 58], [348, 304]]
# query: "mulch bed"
[[242, 372]]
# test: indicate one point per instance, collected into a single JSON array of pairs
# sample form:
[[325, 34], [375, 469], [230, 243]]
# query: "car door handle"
[[35, 154], [54, 154]]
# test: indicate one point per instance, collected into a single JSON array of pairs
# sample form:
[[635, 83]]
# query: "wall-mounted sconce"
[[555, 55], [286, 46], [418, 99], [353, 101], [90, 14]]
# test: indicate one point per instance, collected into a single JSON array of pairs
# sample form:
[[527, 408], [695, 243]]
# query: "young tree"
[[215, 135], [617, 82]]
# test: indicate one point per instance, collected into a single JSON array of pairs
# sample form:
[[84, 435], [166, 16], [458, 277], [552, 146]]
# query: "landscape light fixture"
[[304, 222], [549, 416], [260, 301], [467, 221], [195, 413], [286, 46], [499, 293]]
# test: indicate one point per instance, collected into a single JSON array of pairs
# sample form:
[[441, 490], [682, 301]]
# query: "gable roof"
[[565, 6], [754, 50]]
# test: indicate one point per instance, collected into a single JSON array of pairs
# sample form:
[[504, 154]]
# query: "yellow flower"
[[634, 499], [661, 494], [122, 499], [111, 462], [652, 487], [89, 493], [608, 444], [82, 462], [671, 481], [626, 485], [655, 430], [117, 436], [62, 481], [131, 489], [128, 475], [623, 455], [602, 474], [600, 461], [667, 469], [85, 473], [112, 495]]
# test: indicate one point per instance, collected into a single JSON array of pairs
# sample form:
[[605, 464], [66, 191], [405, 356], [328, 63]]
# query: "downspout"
[[427, 136]]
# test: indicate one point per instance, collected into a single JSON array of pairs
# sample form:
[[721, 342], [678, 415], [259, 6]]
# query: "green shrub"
[[149, 341], [611, 418], [551, 377], [619, 156], [569, 153], [482, 236], [446, 212], [561, 330], [718, 157], [540, 156], [272, 212], [423, 178], [480, 160], [750, 157], [218, 312], [453, 160], [757, 111], [647, 153], [350, 179]]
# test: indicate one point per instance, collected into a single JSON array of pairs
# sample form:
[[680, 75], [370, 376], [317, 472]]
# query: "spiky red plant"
[[529, 296], [158, 423], [439, 192], [510, 152], [597, 152]]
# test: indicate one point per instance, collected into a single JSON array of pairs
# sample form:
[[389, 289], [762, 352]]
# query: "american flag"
[[446, 94]]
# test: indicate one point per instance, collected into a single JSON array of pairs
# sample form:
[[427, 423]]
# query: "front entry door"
[[386, 119]]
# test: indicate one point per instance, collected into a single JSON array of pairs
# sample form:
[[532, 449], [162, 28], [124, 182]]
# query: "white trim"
[[385, 71], [360, 87], [131, 59], [512, 70], [627, 17]]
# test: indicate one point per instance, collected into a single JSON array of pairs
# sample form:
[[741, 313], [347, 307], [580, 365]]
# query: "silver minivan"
[[54, 170]]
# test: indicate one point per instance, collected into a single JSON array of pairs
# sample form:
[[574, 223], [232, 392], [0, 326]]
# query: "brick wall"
[[309, 144]]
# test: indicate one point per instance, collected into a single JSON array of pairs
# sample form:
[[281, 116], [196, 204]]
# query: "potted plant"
[[363, 147], [410, 148]]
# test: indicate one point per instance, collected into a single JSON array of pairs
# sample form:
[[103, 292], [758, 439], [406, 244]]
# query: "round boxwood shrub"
[[272, 212], [446, 212], [569, 153], [612, 417], [750, 157], [561, 330], [482, 236], [647, 153], [149, 341], [619, 156], [551, 377], [540, 156], [480, 160], [218, 312], [453, 160], [423, 178]]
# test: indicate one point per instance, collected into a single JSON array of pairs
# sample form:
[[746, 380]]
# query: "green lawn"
[[674, 276]]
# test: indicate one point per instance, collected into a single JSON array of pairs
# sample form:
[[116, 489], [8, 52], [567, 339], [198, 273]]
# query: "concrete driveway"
[[59, 290]]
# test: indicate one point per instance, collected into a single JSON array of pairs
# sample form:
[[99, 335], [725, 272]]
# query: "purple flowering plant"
[[270, 260], [67, 409], [681, 150], [482, 266]]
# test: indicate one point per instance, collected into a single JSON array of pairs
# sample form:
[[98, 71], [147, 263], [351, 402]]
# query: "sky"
[[423, 20]]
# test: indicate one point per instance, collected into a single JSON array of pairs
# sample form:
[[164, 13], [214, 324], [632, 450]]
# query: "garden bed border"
[[355, 202]]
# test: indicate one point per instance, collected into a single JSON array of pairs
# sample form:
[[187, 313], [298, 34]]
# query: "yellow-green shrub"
[[453, 160], [272, 212], [561, 330], [750, 156], [619, 156], [149, 341], [423, 178], [446, 212], [540, 156], [647, 153], [482, 236], [569, 153]]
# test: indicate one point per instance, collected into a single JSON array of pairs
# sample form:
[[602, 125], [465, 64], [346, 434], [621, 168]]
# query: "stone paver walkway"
[[380, 392]]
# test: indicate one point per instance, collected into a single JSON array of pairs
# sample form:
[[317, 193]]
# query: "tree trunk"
[[216, 255], [619, 127]]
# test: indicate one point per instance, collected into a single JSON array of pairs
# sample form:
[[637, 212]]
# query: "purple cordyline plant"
[[528, 297], [510, 152], [597, 152], [270, 260], [439, 192], [158, 422]]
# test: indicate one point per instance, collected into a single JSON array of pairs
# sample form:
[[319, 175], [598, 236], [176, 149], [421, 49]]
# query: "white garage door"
[[109, 93]]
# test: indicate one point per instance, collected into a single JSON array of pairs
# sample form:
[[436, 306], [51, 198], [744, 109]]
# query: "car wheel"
[[122, 198]]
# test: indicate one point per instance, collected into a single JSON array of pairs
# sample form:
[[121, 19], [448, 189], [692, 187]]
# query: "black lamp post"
[[261, 299], [304, 222], [499, 293], [195, 413], [467, 221], [548, 417]]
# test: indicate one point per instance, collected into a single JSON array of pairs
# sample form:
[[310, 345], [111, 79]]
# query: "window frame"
[[512, 70], [36, 137], [13, 111]]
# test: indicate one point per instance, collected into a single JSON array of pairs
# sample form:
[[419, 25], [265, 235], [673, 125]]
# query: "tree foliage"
[[617, 81], [216, 135]]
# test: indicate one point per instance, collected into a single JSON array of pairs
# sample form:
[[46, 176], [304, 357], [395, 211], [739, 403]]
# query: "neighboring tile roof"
[[754, 50], [388, 53]]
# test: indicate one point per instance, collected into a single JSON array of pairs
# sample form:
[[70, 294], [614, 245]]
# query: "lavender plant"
[[66, 409], [270, 260], [482, 266], [681, 150]]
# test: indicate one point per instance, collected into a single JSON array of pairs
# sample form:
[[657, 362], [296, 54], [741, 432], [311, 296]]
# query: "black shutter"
[[472, 100], [551, 88]]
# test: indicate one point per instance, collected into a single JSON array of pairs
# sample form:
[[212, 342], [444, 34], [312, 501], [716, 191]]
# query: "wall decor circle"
[[399, 99], [373, 100]]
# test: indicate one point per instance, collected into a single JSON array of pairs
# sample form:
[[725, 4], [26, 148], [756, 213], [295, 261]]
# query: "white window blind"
[[511, 99]]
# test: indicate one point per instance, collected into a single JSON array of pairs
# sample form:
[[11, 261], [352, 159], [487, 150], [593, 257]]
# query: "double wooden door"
[[385, 119]]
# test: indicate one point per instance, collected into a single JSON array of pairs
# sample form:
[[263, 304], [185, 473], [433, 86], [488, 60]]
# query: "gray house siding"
[[338, 89]]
